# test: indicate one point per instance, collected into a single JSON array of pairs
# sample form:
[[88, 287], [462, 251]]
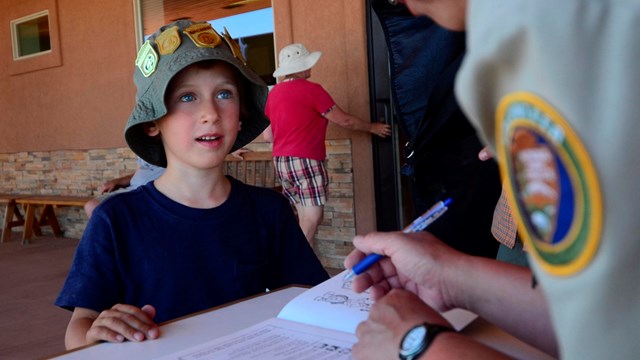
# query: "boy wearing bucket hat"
[[299, 111], [193, 238]]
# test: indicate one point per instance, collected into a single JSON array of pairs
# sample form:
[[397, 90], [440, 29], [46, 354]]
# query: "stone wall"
[[81, 172]]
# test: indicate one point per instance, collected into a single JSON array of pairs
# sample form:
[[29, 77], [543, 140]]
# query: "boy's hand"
[[124, 322]]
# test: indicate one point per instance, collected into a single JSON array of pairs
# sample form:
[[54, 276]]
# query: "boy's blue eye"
[[225, 94], [187, 98]]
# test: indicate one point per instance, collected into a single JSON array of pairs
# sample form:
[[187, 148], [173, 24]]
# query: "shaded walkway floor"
[[31, 276]]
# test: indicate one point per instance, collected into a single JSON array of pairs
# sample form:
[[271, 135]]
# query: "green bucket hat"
[[172, 48]]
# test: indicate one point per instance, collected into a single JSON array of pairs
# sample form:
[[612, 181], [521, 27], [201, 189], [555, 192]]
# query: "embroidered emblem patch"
[[233, 45], [168, 41], [552, 182], [203, 35], [147, 59]]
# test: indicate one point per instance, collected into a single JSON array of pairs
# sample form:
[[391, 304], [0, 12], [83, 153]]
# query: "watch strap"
[[432, 331]]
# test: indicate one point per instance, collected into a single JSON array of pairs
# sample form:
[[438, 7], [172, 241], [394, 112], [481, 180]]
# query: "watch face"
[[414, 340]]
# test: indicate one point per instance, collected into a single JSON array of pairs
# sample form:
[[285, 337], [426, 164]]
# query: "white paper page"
[[273, 339], [331, 305]]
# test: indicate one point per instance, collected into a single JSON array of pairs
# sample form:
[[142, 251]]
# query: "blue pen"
[[418, 224]]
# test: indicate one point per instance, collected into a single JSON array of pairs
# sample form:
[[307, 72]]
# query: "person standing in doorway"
[[300, 111]]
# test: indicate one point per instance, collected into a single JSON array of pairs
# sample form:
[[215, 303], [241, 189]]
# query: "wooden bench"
[[255, 169], [31, 224], [11, 212]]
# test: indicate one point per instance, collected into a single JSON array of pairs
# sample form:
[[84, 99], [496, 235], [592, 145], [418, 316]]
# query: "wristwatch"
[[417, 340]]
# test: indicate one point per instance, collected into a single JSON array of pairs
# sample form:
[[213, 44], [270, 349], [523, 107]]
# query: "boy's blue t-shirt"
[[141, 247]]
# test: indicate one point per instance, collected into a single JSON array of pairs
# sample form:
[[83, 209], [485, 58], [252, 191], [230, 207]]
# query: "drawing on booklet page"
[[362, 303]]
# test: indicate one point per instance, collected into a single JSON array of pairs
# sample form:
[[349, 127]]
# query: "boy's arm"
[[80, 323], [114, 325]]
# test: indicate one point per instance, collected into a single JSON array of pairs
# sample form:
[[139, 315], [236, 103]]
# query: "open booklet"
[[320, 323]]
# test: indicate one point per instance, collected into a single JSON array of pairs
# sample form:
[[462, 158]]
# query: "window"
[[30, 35], [35, 35]]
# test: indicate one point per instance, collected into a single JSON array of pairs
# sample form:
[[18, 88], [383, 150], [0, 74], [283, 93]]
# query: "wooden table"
[[202, 327]]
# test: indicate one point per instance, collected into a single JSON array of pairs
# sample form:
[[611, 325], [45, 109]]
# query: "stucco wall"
[[84, 102]]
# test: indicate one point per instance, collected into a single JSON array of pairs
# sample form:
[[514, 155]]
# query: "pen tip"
[[349, 276]]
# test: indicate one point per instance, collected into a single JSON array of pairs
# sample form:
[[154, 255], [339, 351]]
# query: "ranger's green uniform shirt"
[[554, 85]]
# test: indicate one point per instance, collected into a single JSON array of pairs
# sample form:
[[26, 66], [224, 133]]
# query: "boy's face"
[[202, 121]]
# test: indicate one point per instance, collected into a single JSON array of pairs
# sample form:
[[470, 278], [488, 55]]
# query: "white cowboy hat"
[[295, 58]]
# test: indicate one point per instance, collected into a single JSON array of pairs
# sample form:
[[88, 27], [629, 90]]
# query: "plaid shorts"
[[303, 180]]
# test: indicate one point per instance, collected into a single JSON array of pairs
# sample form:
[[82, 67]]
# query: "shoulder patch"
[[551, 181]]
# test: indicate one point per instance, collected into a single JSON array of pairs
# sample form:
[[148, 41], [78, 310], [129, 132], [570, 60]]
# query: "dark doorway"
[[390, 193]]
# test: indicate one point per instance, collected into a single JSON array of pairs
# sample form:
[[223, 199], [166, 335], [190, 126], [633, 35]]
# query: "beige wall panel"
[[84, 102], [337, 28]]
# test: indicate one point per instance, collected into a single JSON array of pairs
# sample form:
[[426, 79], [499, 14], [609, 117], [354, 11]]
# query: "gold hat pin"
[[168, 41], [233, 45], [203, 35]]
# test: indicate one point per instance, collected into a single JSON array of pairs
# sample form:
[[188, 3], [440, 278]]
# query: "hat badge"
[[203, 35], [168, 41], [233, 45], [147, 59]]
